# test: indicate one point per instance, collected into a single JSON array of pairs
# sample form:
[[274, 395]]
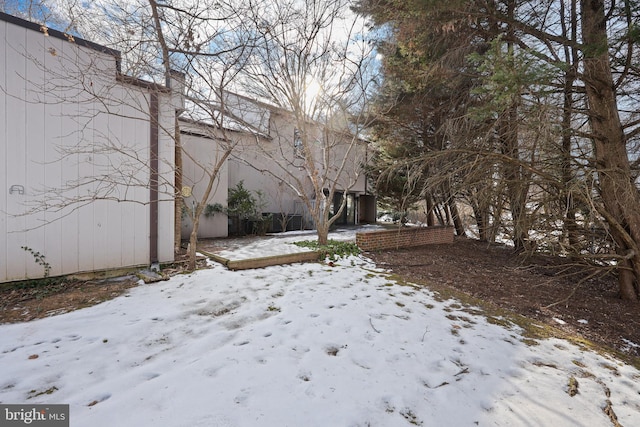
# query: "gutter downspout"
[[153, 178]]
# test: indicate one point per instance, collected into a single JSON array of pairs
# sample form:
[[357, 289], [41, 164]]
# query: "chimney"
[[177, 83]]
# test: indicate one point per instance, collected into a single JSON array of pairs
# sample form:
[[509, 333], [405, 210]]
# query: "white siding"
[[15, 131], [4, 185], [277, 154], [54, 132], [202, 154]]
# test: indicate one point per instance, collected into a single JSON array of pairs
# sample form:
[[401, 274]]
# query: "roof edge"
[[51, 32]]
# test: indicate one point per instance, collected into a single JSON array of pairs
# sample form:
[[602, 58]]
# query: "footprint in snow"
[[241, 399], [304, 376], [150, 375]]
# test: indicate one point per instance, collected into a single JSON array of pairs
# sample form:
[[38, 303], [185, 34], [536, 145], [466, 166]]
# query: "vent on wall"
[[16, 189]]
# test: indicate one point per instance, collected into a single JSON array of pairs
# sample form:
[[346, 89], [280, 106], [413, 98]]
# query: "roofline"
[[157, 87], [268, 106], [46, 31], [196, 123]]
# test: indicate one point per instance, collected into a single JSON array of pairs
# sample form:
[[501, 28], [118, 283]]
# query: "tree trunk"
[[431, 221], [321, 218], [438, 211], [508, 128], [455, 215], [482, 221], [617, 189], [193, 243], [177, 228], [570, 224], [517, 188], [177, 224], [320, 214], [572, 59], [193, 237], [323, 233]]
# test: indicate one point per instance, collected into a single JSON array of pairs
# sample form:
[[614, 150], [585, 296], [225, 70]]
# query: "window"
[[298, 148]]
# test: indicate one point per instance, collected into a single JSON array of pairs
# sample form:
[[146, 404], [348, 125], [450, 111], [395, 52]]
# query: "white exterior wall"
[[201, 155], [279, 197], [65, 123], [248, 162]]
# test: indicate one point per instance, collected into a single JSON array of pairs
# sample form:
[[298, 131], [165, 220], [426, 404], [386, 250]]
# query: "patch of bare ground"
[[570, 298], [21, 302], [35, 299]]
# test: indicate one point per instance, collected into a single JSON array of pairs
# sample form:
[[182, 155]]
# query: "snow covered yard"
[[304, 345]]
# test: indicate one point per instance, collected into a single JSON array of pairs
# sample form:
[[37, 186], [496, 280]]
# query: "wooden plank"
[[261, 262]]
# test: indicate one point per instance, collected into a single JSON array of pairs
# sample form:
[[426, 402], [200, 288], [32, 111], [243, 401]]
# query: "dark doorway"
[[348, 216]]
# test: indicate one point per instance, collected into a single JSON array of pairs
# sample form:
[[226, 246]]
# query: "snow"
[[280, 244], [304, 345]]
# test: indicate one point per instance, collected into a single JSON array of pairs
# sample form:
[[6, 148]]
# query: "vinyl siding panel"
[[16, 151], [68, 126], [4, 186]]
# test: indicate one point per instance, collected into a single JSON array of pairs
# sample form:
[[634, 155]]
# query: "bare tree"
[[310, 63], [196, 39], [196, 48]]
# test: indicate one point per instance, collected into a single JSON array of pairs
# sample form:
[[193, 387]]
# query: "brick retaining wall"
[[404, 237]]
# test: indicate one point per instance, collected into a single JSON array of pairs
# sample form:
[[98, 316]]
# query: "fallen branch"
[[374, 328], [573, 292]]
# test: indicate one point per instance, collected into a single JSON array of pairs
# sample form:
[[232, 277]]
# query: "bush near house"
[[245, 211]]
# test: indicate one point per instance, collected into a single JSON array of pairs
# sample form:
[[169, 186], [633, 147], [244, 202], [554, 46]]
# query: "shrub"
[[333, 249]]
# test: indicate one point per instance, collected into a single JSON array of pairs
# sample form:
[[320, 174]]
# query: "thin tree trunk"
[[177, 227], [567, 169], [457, 220], [455, 214], [322, 220], [517, 186], [193, 243], [481, 223], [430, 208], [571, 55], [439, 215]]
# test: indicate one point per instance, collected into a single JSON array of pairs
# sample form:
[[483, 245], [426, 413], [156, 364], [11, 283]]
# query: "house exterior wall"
[[260, 165], [74, 154], [259, 159], [201, 155]]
